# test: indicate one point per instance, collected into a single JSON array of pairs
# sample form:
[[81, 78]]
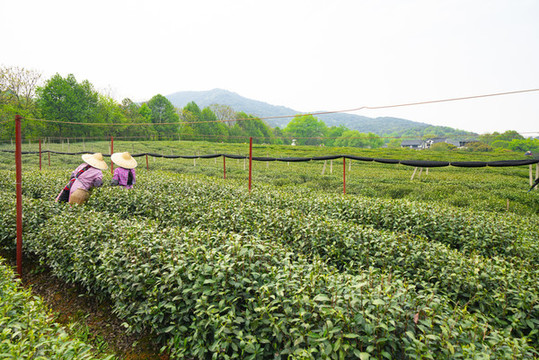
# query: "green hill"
[[380, 125]]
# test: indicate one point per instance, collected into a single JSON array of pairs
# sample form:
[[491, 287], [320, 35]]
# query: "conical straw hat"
[[124, 160], [95, 160]]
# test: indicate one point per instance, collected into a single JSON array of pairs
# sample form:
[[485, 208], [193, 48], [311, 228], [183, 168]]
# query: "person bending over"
[[83, 179]]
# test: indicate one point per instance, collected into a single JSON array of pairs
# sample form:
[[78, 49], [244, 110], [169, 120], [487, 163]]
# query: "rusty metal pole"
[[147, 166], [39, 154], [250, 160], [224, 167], [18, 184], [343, 175], [111, 152]]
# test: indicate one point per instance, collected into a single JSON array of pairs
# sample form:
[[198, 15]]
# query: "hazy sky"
[[307, 55]]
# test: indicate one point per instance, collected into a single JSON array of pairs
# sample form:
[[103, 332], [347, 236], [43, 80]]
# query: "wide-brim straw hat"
[[124, 160], [95, 160]]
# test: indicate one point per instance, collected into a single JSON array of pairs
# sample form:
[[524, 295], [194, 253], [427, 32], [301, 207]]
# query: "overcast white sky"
[[308, 55]]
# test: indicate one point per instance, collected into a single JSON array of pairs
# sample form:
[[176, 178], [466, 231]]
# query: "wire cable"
[[298, 114]]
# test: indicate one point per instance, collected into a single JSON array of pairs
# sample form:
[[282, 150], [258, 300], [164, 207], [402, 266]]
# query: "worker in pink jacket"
[[124, 174], [85, 177]]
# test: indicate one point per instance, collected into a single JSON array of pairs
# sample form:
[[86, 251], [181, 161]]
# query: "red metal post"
[[39, 154], [343, 175], [250, 160], [147, 166], [224, 167], [18, 184], [111, 152]]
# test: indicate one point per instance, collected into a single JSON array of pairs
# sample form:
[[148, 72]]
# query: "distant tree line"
[[65, 103], [511, 140]]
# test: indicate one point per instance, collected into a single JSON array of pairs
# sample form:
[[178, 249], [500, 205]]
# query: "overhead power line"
[[298, 114]]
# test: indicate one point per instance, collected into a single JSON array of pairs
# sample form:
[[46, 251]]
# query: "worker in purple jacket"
[[85, 177], [124, 174]]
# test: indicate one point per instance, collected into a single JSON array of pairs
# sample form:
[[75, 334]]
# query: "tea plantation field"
[[394, 269]]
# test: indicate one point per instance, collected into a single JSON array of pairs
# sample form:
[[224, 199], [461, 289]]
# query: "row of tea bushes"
[[35, 184], [470, 231], [485, 233], [27, 330], [35, 212], [498, 289], [237, 296]]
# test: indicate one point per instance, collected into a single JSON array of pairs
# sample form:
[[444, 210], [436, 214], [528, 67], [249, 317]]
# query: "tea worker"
[[85, 177], [124, 174]]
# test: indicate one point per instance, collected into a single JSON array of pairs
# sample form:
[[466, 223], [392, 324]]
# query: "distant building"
[[459, 143], [426, 144], [413, 144], [430, 142]]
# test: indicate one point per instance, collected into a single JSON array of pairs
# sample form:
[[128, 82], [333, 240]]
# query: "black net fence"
[[414, 163]]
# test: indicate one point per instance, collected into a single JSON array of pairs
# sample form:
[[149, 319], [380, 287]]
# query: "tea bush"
[[230, 295], [503, 290], [27, 330]]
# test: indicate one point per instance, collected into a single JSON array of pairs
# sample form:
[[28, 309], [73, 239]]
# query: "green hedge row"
[[26, 327], [226, 295], [500, 290], [485, 233]]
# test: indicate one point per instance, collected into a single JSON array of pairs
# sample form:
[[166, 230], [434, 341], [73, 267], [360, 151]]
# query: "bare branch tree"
[[223, 112], [18, 84]]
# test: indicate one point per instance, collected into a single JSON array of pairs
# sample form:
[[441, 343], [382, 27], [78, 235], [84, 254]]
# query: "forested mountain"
[[235, 101], [381, 125]]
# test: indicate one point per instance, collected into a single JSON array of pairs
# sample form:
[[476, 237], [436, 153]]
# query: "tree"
[[351, 138], [163, 112], [354, 138], [137, 114], [279, 137], [524, 145], [17, 97], [504, 144], [146, 113], [216, 131], [18, 85], [109, 112], [254, 127], [192, 116], [307, 129], [394, 143], [509, 135], [374, 141], [66, 100], [488, 138], [223, 112], [333, 133], [188, 119]]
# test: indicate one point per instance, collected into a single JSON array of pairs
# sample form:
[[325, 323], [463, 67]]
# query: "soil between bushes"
[[71, 304]]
